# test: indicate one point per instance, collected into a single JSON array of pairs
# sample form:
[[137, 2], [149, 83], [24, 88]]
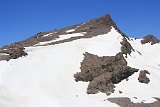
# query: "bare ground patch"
[[103, 72], [126, 102]]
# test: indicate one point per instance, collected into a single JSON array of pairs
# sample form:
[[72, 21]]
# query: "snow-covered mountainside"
[[42, 71]]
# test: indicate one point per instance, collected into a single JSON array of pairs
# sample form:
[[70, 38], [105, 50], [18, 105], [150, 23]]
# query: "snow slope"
[[45, 76], [62, 37], [149, 60]]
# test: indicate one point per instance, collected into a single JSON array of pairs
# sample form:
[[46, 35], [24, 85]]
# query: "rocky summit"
[[88, 64]]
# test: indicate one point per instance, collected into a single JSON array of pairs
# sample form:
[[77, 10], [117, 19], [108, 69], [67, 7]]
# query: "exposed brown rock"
[[143, 77], [103, 72], [150, 39], [126, 102], [120, 92], [126, 47], [13, 53]]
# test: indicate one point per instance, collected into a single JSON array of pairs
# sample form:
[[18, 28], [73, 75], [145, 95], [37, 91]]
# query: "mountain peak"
[[105, 20], [94, 27], [40, 70], [150, 39]]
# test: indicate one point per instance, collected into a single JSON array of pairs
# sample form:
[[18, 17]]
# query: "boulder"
[[143, 77]]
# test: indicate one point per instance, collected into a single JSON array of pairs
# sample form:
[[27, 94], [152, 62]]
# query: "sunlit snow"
[[44, 78], [71, 30], [62, 37], [48, 34]]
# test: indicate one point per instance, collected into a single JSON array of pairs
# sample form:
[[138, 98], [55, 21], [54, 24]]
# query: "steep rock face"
[[150, 39], [126, 47], [143, 77], [103, 72]]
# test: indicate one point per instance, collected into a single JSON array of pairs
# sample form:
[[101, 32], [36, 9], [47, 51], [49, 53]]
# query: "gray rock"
[[126, 47], [12, 53], [126, 102], [143, 77], [103, 72], [150, 39]]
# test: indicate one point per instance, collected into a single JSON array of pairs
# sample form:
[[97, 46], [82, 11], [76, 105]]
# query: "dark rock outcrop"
[[150, 39], [143, 77], [126, 102], [103, 72], [13, 53], [126, 47]]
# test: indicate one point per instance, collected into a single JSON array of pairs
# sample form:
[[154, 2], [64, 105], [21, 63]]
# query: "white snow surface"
[[44, 78], [4, 54], [71, 30], [62, 37], [49, 34], [149, 60]]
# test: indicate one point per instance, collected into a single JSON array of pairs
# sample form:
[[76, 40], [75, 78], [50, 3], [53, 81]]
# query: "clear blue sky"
[[20, 19]]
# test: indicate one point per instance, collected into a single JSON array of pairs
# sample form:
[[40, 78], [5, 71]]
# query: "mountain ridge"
[[43, 70], [91, 28], [94, 27]]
